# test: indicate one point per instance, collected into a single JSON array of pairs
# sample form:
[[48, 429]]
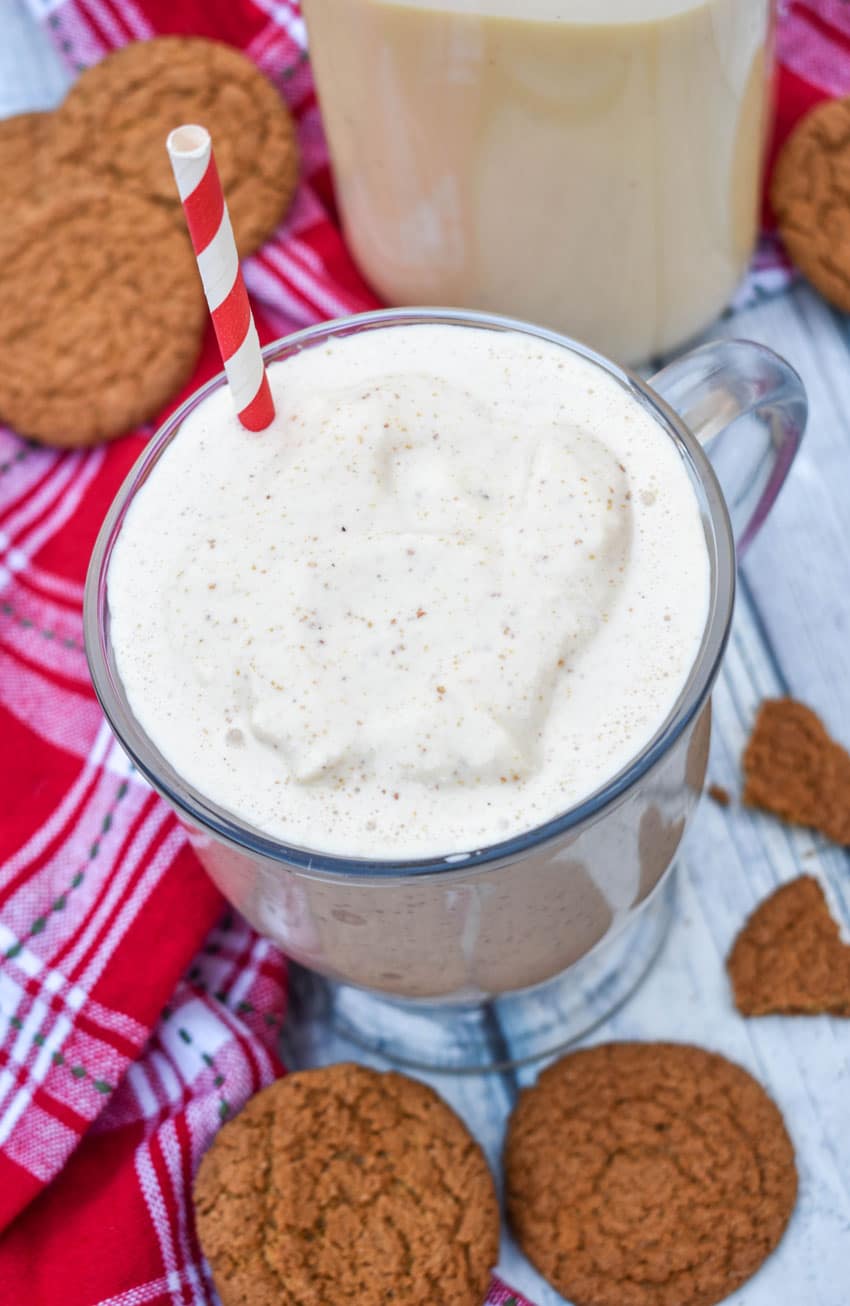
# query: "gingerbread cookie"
[[103, 314], [789, 958], [23, 146], [794, 769], [810, 194], [648, 1174], [346, 1185], [117, 116]]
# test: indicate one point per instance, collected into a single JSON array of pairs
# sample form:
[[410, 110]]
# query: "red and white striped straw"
[[193, 162]]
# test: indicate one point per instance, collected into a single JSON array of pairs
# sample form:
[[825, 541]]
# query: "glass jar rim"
[[210, 818]]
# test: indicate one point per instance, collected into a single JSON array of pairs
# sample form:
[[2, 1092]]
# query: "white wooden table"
[[791, 636]]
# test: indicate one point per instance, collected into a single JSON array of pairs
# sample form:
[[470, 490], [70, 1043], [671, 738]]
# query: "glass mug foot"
[[490, 1035]]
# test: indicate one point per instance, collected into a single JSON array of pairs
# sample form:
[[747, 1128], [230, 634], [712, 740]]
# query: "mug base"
[[490, 1035]]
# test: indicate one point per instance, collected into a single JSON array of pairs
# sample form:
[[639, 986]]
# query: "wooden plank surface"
[[791, 635]]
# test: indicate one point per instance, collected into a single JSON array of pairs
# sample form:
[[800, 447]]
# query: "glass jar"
[[589, 165]]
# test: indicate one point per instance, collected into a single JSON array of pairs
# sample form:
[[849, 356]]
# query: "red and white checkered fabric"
[[117, 1063]]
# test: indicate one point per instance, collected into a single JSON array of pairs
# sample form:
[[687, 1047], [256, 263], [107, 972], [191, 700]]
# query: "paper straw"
[[193, 162]]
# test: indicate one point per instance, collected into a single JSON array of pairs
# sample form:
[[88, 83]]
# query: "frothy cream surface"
[[455, 588]]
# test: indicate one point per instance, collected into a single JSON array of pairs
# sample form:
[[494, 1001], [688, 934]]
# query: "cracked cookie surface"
[[344, 1184], [789, 958], [117, 115], [23, 144], [96, 333], [648, 1174], [810, 194]]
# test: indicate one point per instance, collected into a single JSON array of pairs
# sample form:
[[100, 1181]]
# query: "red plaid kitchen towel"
[[117, 1063]]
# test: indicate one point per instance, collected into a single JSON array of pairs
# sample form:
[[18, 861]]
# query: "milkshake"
[[456, 587], [591, 165], [471, 576]]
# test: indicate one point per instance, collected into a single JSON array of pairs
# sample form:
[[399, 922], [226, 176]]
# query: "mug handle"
[[729, 388]]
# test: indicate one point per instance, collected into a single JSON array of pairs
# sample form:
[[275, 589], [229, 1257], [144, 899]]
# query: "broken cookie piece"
[[789, 959], [793, 768]]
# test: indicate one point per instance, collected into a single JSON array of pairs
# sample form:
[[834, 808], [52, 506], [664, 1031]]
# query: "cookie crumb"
[[793, 769], [719, 795], [789, 958]]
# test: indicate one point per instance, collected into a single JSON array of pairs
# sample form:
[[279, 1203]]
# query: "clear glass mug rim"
[[207, 816]]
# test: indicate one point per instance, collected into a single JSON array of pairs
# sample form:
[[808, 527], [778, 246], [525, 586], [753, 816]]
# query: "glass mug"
[[442, 962], [591, 165]]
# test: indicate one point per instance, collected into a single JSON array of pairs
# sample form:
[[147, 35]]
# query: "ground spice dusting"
[[368, 629], [793, 768]]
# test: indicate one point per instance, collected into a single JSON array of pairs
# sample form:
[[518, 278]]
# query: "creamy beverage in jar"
[[454, 588], [590, 165]]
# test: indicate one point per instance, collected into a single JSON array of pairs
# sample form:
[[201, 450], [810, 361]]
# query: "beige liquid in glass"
[[589, 165]]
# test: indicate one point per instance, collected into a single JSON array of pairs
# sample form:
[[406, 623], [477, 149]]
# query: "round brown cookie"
[[346, 1185], [810, 194], [103, 314], [116, 117], [648, 1174]]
